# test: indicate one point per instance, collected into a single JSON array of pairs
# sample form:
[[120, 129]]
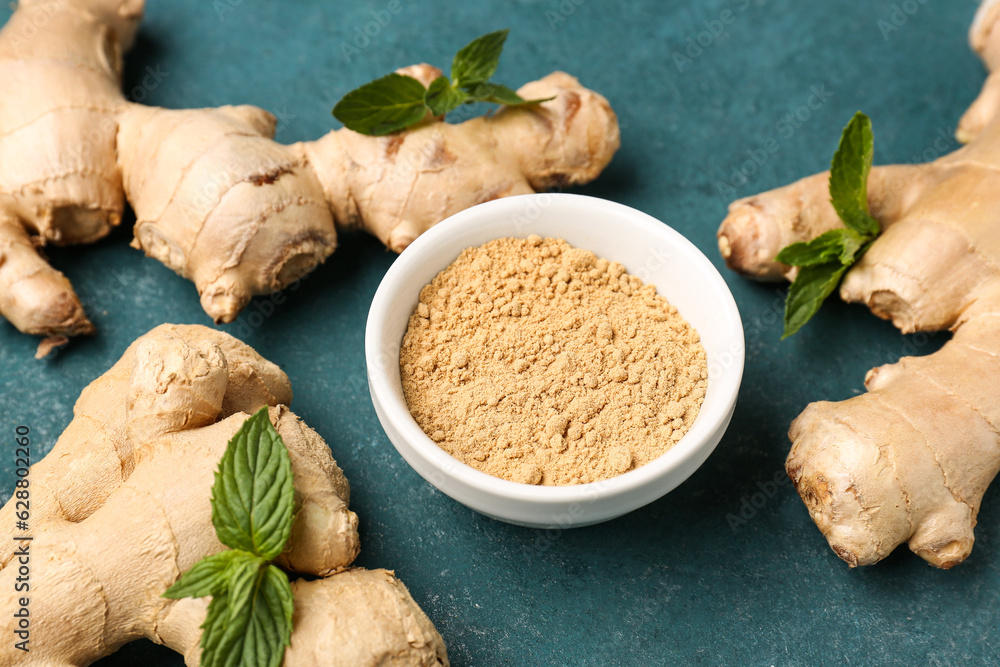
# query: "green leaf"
[[214, 629], [853, 244], [812, 286], [849, 172], [383, 106], [209, 576], [253, 495], [823, 248], [277, 599], [487, 91], [442, 97], [477, 60], [251, 623], [840, 244]]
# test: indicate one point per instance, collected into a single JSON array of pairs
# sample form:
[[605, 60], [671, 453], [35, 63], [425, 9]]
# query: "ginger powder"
[[541, 363]]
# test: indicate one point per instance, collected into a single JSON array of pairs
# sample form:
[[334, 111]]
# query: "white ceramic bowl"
[[648, 249]]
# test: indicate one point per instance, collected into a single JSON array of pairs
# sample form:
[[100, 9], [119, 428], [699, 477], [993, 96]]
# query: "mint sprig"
[[383, 106], [249, 619], [396, 101], [824, 260]]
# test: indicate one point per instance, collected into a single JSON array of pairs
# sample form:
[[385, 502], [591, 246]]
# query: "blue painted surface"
[[675, 582]]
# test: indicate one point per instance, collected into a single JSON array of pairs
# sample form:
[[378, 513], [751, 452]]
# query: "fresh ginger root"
[[121, 508], [910, 460], [216, 199]]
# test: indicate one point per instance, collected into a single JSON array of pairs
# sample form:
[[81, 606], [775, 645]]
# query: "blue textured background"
[[675, 582]]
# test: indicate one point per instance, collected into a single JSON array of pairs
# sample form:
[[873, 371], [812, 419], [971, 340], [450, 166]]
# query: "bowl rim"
[[391, 408]]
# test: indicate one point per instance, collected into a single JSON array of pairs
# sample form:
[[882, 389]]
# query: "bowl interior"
[[649, 250]]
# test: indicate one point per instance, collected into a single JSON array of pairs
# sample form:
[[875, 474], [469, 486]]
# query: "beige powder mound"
[[540, 363]]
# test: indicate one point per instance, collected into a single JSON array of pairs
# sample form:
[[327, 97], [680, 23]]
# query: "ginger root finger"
[[34, 297], [324, 536], [981, 111], [144, 395]]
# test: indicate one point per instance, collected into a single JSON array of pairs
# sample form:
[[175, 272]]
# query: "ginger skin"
[[909, 461], [216, 199], [134, 469]]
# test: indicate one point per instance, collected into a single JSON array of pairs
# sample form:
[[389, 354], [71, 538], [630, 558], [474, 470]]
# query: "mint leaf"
[[273, 613], [477, 60], [253, 495], [854, 246], [487, 91], [229, 614], [823, 248], [209, 576], [812, 286], [383, 106], [849, 172], [213, 630], [243, 581], [251, 623], [840, 244], [442, 96], [484, 91]]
